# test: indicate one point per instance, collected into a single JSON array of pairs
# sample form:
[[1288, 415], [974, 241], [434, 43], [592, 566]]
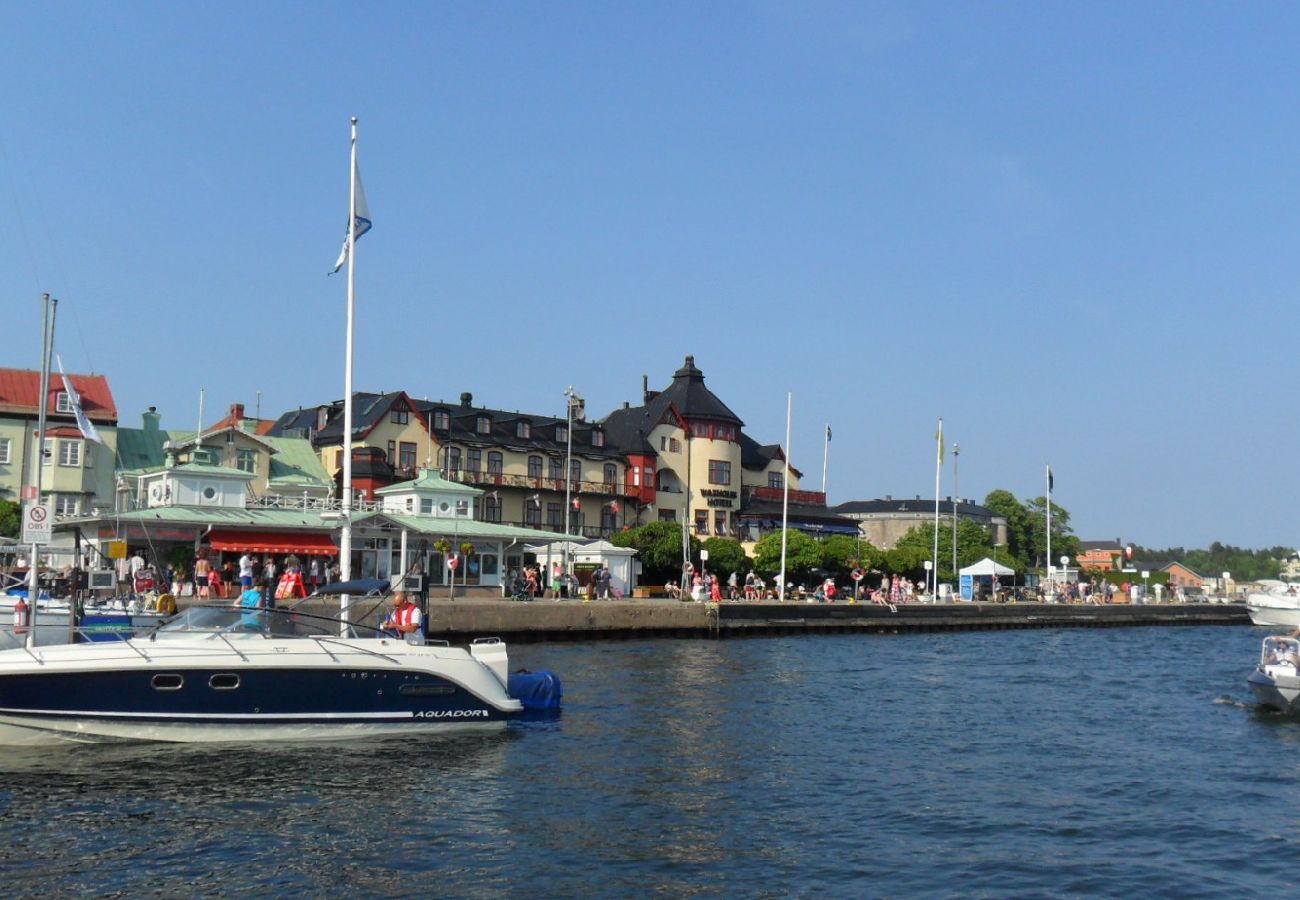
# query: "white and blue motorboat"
[[228, 673], [1276, 679]]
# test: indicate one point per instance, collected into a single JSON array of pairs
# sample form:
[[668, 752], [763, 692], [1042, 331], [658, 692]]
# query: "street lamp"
[[570, 397]]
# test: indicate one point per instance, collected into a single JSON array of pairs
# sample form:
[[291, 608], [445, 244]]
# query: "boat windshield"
[[228, 619], [1281, 651]]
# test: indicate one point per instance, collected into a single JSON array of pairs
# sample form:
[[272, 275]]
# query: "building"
[[1100, 556], [78, 473], [689, 458], [884, 522]]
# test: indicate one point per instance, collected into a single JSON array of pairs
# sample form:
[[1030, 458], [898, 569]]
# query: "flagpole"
[[785, 496], [1049, 525], [345, 548], [956, 498], [49, 307], [938, 465], [826, 455]]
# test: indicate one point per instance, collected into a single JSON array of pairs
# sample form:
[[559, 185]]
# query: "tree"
[[802, 555], [841, 554], [10, 518], [658, 547], [726, 556], [1064, 543], [914, 548], [1019, 533]]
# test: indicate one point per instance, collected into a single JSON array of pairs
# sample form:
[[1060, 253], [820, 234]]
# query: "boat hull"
[[1276, 689], [244, 690], [1274, 610]]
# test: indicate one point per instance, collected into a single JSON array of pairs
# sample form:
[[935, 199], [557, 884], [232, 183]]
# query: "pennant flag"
[[938, 436], [1049, 479], [86, 427], [828, 432], [361, 222]]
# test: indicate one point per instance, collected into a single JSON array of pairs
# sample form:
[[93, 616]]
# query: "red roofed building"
[[78, 473]]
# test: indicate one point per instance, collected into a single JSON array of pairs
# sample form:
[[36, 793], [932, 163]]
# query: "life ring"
[[857, 574]]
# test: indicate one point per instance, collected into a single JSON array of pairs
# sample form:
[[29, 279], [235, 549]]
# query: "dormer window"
[[561, 433], [524, 430], [62, 402], [483, 425], [441, 419], [399, 416], [597, 438]]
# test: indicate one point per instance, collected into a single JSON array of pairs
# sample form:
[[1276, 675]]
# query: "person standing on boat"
[[404, 619]]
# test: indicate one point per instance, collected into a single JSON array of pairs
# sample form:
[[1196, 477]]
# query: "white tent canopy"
[[986, 566]]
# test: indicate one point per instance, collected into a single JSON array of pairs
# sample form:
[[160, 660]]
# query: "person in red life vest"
[[291, 585], [404, 619]]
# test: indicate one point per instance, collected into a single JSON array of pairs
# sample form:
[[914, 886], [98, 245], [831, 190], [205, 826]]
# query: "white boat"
[[226, 673], [1275, 609], [53, 621], [1276, 679]]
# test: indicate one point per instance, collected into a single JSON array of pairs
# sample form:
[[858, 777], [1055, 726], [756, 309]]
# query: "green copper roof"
[[430, 480], [211, 515], [470, 528], [295, 462]]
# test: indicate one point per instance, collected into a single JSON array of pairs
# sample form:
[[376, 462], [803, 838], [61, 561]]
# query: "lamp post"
[[570, 396], [956, 498]]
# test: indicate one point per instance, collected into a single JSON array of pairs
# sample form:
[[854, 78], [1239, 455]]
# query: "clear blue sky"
[[1068, 229]]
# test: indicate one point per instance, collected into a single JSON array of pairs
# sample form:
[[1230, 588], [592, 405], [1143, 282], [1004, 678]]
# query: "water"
[[1119, 762]]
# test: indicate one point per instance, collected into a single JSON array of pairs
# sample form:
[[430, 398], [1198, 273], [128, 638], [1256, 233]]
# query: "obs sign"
[[38, 523]]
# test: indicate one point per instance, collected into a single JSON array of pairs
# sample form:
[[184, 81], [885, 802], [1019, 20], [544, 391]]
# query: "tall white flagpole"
[[826, 455], [938, 465], [49, 308], [785, 496], [1049, 522], [345, 548]]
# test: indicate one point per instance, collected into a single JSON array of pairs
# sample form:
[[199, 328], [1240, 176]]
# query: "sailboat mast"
[[49, 306], [345, 548]]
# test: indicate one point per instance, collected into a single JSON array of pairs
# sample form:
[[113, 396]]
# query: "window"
[[62, 402], [597, 438], [534, 467], [700, 429], [426, 506], [575, 469], [524, 430], [532, 512], [473, 459], [667, 515], [47, 452], [441, 419], [392, 453], [636, 476], [726, 433], [608, 518], [663, 442], [5, 451], [70, 453], [491, 508], [399, 416], [462, 508], [701, 521], [483, 425], [496, 464], [719, 471], [611, 473], [406, 454], [776, 480], [66, 505], [719, 521], [674, 445], [556, 468], [561, 432], [555, 514], [453, 459], [246, 460]]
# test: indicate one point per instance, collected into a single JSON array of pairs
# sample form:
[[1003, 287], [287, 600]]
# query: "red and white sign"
[[29, 492], [452, 563], [38, 523]]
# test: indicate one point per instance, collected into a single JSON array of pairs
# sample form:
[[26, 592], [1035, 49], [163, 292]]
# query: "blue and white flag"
[[85, 425], [361, 221]]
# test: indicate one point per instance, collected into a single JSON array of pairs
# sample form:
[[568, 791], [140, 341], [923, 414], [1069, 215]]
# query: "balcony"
[[528, 482], [812, 498]]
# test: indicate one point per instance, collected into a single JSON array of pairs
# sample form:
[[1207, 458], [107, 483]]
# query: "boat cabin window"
[[426, 690], [168, 682], [224, 681], [1282, 651]]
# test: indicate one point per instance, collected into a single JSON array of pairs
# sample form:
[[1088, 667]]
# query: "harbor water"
[[1068, 762]]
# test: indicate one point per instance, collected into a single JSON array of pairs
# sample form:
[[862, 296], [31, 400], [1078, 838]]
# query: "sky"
[[1068, 230]]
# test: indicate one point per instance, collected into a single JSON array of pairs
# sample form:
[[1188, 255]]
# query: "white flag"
[[362, 221], [85, 425]]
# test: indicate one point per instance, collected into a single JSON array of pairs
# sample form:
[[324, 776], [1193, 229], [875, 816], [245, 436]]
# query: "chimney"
[[150, 420], [466, 399], [579, 409], [645, 389], [627, 405]]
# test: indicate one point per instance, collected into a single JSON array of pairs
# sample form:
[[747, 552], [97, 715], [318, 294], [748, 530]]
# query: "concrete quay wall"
[[569, 620]]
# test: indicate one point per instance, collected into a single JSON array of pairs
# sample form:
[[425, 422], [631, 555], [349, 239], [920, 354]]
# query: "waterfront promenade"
[[572, 620]]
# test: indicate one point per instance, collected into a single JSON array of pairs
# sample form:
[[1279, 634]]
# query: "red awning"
[[307, 543]]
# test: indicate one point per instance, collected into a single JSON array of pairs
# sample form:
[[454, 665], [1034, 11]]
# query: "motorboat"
[[1277, 609], [1276, 680], [235, 673]]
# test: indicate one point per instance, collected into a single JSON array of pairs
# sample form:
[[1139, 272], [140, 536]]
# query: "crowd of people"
[[283, 577]]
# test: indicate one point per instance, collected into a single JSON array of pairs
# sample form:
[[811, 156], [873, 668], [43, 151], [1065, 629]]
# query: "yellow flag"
[[938, 436]]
